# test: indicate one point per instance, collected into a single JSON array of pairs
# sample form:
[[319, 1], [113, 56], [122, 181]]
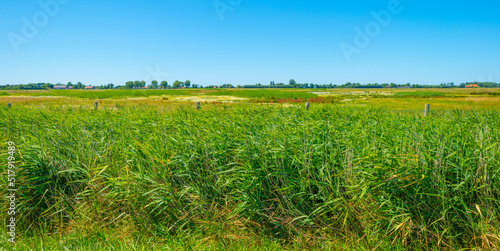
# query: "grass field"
[[397, 99], [253, 170]]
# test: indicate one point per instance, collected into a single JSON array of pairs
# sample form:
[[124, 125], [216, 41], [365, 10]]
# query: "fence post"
[[307, 106], [96, 105], [427, 109], [198, 105], [9, 105]]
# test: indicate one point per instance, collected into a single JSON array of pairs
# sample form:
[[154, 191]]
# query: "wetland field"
[[251, 169]]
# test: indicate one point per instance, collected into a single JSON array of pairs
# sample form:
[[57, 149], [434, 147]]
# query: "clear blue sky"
[[101, 42]]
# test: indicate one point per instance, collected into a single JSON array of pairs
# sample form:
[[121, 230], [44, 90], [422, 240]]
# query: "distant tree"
[[292, 82], [187, 84], [139, 84], [47, 86], [177, 84], [79, 85], [129, 84], [69, 84], [164, 84], [154, 84]]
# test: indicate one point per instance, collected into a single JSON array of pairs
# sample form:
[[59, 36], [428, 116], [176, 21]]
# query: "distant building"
[[60, 87], [70, 87], [472, 86], [89, 87]]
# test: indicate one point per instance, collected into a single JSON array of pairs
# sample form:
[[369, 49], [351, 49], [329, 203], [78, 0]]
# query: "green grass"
[[104, 94], [265, 94], [419, 94], [254, 177], [124, 94], [485, 93]]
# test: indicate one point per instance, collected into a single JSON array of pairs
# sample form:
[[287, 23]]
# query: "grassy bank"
[[251, 177]]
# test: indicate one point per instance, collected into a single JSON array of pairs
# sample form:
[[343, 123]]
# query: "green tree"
[[187, 84], [154, 84], [48, 86], [139, 84], [177, 84], [292, 82], [129, 84], [164, 84]]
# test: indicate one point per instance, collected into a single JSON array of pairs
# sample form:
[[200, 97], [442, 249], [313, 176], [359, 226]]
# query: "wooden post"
[[427, 109], [9, 105], [198, 105], [307, 106], [96, 105]]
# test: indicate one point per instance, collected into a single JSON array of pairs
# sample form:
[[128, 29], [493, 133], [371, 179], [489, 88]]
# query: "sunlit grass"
[[256, 176]]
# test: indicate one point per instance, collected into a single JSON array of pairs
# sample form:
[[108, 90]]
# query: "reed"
[[255, 176]]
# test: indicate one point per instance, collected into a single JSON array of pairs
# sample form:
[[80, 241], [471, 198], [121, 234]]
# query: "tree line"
[[48, 86], [163, 85], [291, 84]]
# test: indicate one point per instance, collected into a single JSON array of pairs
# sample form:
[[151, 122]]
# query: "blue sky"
[[249, 42]]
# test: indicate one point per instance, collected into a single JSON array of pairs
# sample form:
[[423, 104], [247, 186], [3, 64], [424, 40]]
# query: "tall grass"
[[364, 176]]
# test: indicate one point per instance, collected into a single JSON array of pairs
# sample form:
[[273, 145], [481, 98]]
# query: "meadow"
[[396, 99], [253, 170]]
